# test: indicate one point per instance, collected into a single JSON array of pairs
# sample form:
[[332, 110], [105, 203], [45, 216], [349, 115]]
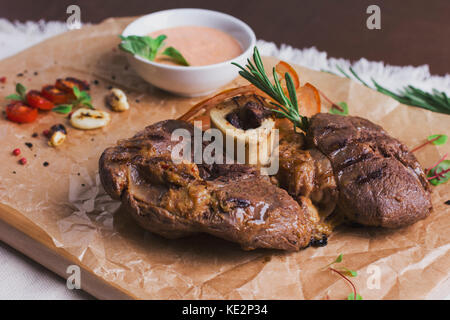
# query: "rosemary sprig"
[[286, 107], [436, 101]]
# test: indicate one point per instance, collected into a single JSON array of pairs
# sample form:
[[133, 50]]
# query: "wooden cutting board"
[[59, 215]]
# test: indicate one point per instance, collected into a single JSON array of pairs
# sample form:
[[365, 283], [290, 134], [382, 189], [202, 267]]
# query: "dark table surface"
[[413, 32]]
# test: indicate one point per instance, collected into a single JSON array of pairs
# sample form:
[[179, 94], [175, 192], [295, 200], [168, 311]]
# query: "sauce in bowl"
[[199, 45]]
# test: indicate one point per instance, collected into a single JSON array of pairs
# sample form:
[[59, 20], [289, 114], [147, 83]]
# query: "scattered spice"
[[78, 173], [447, 202], [109, 87], [96, 82], [34, 135], [16, 152], [20, 74], [83, 185], [113, 77], [45, 164], [14, 172], [137, 100], [2, 79], [35, 73], [46, 132], [29, 144], [23, 161]]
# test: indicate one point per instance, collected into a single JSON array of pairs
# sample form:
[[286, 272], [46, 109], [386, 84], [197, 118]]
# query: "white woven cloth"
[[21, 278]]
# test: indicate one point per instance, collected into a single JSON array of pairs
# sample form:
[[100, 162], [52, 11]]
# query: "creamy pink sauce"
[[200, 46]]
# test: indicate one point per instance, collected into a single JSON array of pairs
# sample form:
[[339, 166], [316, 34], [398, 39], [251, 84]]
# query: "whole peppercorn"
[[16, 152], [23, 161]]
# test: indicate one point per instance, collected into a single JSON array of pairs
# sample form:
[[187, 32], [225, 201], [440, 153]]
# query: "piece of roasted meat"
[[344, 167], [233, 202], [380, 181]]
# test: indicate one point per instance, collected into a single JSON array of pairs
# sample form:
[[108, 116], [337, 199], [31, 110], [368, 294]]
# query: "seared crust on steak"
[[380, 181]]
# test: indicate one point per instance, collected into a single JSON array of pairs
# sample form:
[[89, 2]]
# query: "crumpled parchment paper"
[[67, 202]]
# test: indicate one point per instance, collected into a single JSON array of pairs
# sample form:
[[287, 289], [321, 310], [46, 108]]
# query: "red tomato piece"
[[67, 84], [36, 100], [19, 112], [55, 95]]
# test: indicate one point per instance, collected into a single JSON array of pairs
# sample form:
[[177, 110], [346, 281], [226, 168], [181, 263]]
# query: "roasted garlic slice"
[[87, 119], [117, 100]]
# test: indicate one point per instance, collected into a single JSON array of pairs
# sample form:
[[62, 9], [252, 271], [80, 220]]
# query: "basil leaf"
[[63, 108], [14, 96], [144, 46], [21, 90], [89, 105], [175, 55], [344, 107], [443, 172], [441, 140], [76, 92]]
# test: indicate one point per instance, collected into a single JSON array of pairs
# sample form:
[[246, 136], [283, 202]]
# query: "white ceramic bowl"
[[190, 81]]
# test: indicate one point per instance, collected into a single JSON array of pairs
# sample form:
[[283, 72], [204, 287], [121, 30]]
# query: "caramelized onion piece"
[[210, 103], [282, 68], [308, 98]]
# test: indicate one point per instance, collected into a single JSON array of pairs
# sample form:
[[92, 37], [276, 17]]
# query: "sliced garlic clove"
[[117, 100], [87, 119]]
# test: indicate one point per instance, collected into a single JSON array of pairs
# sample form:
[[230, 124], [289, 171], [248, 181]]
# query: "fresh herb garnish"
[[148, 48], [440, 172], [287, 107], [351, 296], [344, 273], [175, 55], [144, 46], [20, 95], [82, 98], [436, 101], [436, 139], [343, 111]]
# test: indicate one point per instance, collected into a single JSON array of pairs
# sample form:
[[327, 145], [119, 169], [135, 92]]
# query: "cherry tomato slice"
[[67, 84], [36, 100], [19, 112], [55, 95]]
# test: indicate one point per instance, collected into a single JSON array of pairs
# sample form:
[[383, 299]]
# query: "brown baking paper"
[[67, 202]]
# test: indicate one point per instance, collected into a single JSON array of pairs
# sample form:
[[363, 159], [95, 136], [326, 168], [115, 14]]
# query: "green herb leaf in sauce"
[[175, 55], [148, 48]]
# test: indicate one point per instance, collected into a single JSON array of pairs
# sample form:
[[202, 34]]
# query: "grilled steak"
[[380, 182], [344, 165], [233, 202]]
